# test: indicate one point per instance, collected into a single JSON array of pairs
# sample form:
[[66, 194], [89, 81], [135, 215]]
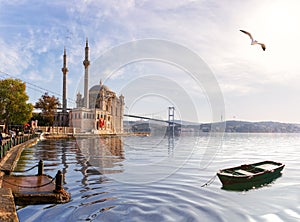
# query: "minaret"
[[64, 71], [86, 64]]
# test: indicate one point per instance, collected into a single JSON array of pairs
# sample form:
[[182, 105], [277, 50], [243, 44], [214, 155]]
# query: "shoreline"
[[88, 135]]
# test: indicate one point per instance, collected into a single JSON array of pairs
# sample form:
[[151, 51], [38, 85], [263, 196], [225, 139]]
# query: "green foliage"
[[39, 117], [14, 108], [48, 105]]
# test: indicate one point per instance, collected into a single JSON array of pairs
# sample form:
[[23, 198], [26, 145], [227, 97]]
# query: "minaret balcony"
[[64, 70], [86, 63]]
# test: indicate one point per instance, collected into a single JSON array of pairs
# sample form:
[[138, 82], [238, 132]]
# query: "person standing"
[[1, 138], [13, 137]]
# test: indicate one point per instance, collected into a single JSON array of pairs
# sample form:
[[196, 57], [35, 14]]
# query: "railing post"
[[41, 168], [59, 182], [8, 145], [4, 149]]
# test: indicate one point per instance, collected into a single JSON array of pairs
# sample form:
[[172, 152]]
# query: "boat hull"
[[250, 176]]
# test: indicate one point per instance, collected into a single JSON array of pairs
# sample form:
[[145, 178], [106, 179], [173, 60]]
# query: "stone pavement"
[[8, 211]]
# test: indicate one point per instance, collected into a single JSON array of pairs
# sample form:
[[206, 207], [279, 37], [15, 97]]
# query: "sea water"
[[159, 178]]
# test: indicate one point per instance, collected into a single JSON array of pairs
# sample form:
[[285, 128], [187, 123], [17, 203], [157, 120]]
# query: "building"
[[104, 113], [100, 110]]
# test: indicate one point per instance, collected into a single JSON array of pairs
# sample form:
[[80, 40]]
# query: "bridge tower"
[[171, 127]]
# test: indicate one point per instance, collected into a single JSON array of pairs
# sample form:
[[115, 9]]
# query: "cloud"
[[11, 60], [35, 33]]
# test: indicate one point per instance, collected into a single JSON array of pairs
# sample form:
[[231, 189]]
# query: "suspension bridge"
[[173, 128]]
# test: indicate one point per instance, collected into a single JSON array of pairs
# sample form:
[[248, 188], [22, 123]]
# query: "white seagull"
[[254, 42]]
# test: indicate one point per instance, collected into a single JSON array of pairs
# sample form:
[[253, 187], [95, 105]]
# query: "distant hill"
[[249, 127], [261, 127], [234, 126]]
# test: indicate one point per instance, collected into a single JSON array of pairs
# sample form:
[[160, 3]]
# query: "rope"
[[2, 169], [27, 169], [210, 181], [24, 171], [29, 186]]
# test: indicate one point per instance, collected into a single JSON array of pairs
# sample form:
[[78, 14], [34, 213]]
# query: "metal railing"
[[7, 144]]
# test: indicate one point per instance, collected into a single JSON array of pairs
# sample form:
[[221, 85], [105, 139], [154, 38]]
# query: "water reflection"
[[160, 179], [104, 154], [171, 145], [84, 162], [90, 156], [253, 185]]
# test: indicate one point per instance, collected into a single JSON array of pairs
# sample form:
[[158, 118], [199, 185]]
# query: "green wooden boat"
[[249, 176]]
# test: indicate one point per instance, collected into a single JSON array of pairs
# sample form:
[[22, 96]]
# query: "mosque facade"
[[104, 113], [100, 110]]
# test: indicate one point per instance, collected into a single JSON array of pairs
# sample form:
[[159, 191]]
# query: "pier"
[[36, 189], [25, 190]]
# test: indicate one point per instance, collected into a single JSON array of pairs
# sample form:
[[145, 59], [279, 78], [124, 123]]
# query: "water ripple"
[[98, 193]]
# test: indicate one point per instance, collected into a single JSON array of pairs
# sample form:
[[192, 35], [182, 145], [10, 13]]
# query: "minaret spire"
[[64, 71], [86, 64]]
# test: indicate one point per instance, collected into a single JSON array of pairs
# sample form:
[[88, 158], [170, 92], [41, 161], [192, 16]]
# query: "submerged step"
[[39, 189]]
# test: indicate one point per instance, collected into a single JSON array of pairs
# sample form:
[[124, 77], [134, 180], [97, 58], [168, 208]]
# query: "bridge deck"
[[149, 118]]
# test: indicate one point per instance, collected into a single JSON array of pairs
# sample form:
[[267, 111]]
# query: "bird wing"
[[247, 33], [263, 46]]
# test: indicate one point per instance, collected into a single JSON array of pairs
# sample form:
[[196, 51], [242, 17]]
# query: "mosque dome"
[[97, 88], [106, 88]]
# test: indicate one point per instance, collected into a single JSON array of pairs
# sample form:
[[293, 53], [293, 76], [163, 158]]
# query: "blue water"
[[159, 179]]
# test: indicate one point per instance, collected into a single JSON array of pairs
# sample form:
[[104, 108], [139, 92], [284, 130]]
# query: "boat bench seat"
[[265, 167], [244, 172]]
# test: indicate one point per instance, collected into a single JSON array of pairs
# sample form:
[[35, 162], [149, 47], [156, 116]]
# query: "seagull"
[[254, 42]]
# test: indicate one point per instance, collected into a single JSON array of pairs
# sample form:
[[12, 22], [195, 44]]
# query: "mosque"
[[98, 111]]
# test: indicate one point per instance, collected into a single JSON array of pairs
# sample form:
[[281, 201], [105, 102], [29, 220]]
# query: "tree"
[[14, 109], [39, 117], [48, 105]]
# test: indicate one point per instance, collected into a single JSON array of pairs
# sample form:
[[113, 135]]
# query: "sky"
[[254, 85]]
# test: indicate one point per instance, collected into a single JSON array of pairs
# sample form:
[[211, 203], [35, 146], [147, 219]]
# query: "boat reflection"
[[252, 185]]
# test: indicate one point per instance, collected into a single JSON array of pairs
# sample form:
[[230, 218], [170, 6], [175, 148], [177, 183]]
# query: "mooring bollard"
[[41, 168], [58, 182]]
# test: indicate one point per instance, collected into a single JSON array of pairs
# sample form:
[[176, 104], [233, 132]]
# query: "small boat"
[[249, 176]]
